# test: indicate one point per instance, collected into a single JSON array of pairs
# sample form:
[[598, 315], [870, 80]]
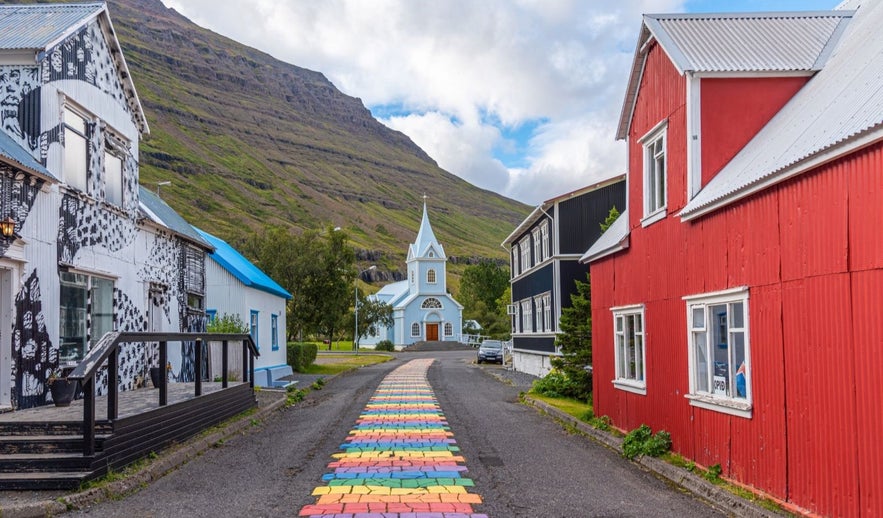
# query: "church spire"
[[425, 237]]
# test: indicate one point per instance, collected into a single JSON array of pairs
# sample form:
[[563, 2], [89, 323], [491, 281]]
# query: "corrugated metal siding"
[[579, 218], [534, 343], [753, 241], [569, 272], [737, 43], [868, 341], [814, 206], [821, 395], [536, 282], [35, 26], [865, 216]]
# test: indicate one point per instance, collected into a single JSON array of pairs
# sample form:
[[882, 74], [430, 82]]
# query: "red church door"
[[432, 332]]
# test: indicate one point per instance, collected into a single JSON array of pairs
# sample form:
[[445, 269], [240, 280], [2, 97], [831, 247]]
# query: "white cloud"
[[481, 64]]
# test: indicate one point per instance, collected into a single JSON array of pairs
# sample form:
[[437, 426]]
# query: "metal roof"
[[611, 241], [836, 112], [12, 153], [159, 212], [38, 26], [241, 268], [426, 238], [736, 43]]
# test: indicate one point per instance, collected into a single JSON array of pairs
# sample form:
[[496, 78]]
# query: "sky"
[[520, 97]]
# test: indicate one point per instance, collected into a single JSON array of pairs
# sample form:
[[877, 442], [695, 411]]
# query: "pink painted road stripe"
[[400, 460]]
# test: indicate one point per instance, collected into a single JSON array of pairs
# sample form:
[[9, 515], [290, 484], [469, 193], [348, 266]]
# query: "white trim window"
[[655, 181], [76, 145], [544, 236], [515, 271], [719, 354], [547, 312], [415, 329], [537, 251], [527, 316], [630, 351], [449, 329], [525, 254], [430, 276], [540, 323], [431, 303], [86, 312], [516, 322], [113, 179]]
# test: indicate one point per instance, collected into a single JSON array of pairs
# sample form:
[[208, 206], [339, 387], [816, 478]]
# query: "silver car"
[[490, 351]]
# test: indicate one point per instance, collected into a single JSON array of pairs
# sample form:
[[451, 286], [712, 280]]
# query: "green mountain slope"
[[248, 140]]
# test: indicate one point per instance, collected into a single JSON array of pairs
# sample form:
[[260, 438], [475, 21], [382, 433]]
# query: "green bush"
[[642, 441], [225, 323], [385, 345], [558, 384], [301, 355]]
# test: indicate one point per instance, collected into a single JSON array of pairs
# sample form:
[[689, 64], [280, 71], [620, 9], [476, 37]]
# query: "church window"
[[449, 329], [431, 254], [430, 276], [431, 303], [415, 329], [412, 276]]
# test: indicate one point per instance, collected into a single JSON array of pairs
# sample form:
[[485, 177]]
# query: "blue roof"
[[12, 152], [241, 268], [159, 211]]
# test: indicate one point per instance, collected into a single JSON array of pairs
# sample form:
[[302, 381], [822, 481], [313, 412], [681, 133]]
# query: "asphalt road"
[[523, 464]]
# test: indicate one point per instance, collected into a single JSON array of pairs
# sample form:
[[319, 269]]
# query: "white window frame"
[[537, 251], [114, 149], [622, 353], [544, 233], [449, 329], [547, 312], [516, 324], [539, 324], [254, 327], [415, 329], [710, 399], [525, 254], [515, 270], [527, 316], [431, 277], [655, 151], [274, 332], [431, 303], [77, 179]]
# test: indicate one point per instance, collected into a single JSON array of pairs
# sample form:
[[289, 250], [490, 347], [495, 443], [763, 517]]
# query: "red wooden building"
[[738, 304]]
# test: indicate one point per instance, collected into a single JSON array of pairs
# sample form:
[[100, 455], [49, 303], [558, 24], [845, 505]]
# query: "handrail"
[[107, 349], [108, 343]]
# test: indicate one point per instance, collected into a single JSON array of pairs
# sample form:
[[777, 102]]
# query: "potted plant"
[[62, 389], [156, 374]]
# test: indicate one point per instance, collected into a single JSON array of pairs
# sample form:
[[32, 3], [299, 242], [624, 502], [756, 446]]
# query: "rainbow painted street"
[[400, 460]]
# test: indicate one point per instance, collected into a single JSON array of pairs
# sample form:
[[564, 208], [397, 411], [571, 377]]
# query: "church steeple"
[[426, 241]]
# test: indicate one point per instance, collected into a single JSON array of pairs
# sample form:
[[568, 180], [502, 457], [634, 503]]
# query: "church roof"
[[425, 239]]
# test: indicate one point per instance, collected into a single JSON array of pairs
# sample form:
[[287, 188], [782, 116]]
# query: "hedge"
[[301, 355]]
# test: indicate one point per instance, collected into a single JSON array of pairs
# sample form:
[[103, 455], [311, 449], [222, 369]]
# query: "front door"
[[432, 332]]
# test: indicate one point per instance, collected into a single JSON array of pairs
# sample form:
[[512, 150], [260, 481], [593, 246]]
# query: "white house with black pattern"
[[89, 255], [423, 310]]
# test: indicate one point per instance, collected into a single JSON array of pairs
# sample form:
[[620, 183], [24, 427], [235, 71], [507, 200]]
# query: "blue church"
[[423, 310]]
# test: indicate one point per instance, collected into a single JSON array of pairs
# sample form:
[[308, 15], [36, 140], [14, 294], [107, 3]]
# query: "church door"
[[432, 332]]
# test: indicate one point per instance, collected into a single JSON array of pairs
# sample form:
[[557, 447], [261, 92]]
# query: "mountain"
[[248, 140]]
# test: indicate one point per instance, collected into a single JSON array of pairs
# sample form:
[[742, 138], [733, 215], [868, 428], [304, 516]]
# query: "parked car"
[[490, 351]]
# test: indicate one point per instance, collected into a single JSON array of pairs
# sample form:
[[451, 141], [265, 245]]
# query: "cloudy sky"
[[520, 97]]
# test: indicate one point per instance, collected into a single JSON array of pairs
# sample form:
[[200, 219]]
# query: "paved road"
[[522, 464]]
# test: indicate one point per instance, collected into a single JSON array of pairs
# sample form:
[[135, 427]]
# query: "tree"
[[374, 315], [611, 217], [575, 340], [481, 287]]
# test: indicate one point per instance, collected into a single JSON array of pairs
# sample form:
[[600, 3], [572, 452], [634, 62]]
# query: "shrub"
[[385, 345], [301, 355], [558, 384], [226, 324], [642, 441]]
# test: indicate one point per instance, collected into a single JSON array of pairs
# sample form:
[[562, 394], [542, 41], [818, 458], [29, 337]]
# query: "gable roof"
[[40, 27], [155, 209], [777, 42], [241, 268], [614, 239], [425, 239], [392, 293], [541, 209], [838, 111], [12, 153]]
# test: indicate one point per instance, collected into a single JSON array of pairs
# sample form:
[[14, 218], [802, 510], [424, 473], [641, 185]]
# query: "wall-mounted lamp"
[[7, 227]]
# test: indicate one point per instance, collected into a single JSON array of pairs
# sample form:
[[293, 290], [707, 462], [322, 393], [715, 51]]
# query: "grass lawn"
[[344, 345], [338, 363], [576, 408]]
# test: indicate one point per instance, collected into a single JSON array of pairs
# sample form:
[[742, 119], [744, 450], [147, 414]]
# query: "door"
[[432, 332]]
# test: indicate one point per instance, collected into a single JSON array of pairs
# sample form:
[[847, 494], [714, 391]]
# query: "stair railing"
[[107, 349]]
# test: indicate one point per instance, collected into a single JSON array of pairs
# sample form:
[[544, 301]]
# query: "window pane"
[[702, 367], [113, 179], [737, 312], [102, 309], [698, 317], [741, 377], [639, 357], [72, 317], [639, 325], [74, 121], [619, 323], [75, 160]]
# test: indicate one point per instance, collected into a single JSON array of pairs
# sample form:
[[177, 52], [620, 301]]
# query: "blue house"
[[423, 310], [235, 286]]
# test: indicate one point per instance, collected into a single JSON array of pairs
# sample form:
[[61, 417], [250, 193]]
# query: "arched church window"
[[431, 303], [415, 329], [430, 276], [431, 254], [449, 329]]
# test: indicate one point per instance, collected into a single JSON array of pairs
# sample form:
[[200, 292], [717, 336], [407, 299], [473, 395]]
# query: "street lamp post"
[[356, 309]]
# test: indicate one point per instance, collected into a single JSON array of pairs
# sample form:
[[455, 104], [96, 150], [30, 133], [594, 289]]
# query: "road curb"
[[719, 497], [166, 463]]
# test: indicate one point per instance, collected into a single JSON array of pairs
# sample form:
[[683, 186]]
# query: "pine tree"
[[575, 341]]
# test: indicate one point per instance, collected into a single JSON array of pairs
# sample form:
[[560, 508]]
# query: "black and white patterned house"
[[544, 252], [89, 255]]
